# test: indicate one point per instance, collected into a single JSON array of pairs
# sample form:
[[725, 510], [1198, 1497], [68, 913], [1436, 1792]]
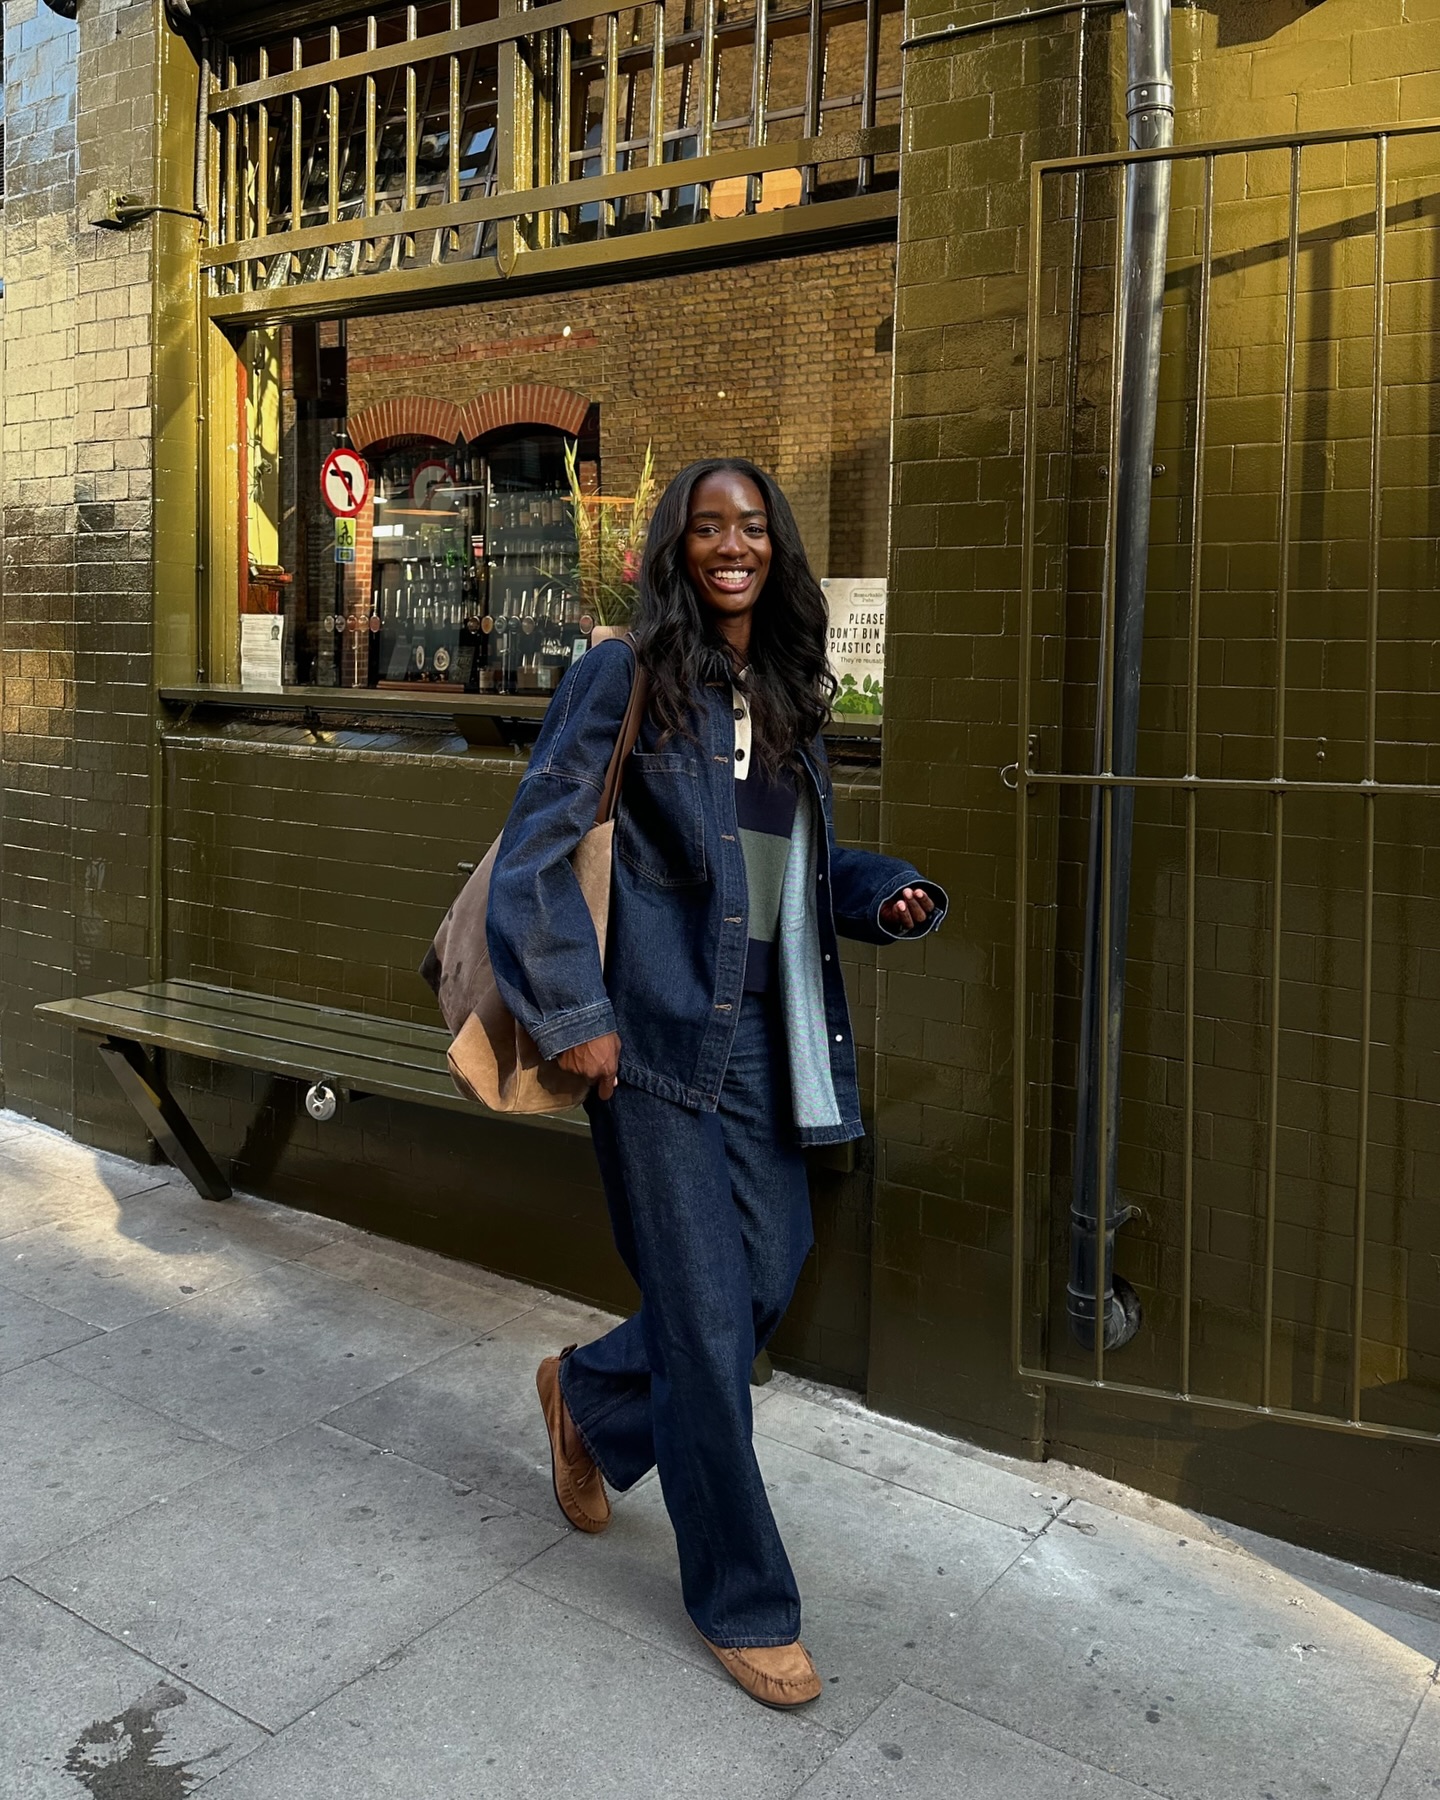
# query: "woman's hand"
[[597, 1061], [911, 907]]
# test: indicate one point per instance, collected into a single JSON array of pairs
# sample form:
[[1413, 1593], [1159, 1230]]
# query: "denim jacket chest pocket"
[[660, 826]]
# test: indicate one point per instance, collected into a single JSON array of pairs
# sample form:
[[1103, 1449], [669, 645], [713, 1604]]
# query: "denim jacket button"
[[839, 1037]]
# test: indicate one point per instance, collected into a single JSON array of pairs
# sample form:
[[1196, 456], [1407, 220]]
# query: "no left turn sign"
[[345, 483]]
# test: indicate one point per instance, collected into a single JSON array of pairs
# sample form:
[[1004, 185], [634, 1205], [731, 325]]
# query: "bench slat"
[[190, 1018], [322, 1051], [271, 1016]]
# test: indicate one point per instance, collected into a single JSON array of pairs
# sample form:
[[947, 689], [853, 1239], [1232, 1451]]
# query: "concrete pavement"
[[276, 1524]]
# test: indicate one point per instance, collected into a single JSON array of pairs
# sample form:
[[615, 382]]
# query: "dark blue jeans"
[[711, 1213]]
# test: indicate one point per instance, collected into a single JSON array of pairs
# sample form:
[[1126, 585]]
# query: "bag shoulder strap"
[[625, 742]]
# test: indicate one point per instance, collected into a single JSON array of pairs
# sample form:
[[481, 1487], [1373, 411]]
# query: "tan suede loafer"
[[579, 1489], [774, 1674]]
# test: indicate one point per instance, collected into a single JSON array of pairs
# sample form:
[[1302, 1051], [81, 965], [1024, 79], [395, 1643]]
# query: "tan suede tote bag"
[[492, 1058]]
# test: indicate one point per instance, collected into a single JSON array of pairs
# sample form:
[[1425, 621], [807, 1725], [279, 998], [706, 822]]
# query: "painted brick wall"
[[319, 873], [38, 622], [977, 115], [75, 639]]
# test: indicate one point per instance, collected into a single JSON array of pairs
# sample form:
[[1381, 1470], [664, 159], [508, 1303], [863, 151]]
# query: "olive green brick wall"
[[942, 1283], [319, 873], [75, 640]]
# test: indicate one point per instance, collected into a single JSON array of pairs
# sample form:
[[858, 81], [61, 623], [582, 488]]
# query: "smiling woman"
[[715, 1031]]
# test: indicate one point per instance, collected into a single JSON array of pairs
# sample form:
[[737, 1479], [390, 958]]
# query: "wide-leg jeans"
[[711, 1214]]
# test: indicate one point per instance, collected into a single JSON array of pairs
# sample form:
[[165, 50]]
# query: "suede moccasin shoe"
[[774, 1674], [579, 1489]]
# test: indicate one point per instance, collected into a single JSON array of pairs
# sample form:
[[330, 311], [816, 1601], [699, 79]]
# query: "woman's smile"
[[730, 581]]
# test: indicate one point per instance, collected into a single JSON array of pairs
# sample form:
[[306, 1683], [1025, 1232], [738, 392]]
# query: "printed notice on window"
[[262, 643], [857, 642]]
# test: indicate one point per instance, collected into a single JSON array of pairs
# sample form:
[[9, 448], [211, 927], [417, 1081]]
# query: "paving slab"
[[1182, 1666], [110, 1269], [258, 1357], [1416, 1775], [29, 1330], [44, 1177], [886, 1575], [518, 1698], [451, 1290], [474, 1414], [80, 1712], [76, 1457], [944, 1472], [292, 1571], [916, 1747], [1316, 1569]]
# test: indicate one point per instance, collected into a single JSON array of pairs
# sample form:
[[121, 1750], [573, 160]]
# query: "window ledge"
[[399, 703]]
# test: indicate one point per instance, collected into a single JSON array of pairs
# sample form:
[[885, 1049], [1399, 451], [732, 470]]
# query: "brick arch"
[[409, 416], [525, 403]]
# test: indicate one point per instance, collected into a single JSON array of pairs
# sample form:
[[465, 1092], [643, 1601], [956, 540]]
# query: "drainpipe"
[[1150, 109]]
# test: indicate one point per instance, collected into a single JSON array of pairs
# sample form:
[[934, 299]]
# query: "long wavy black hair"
[[788, 679]]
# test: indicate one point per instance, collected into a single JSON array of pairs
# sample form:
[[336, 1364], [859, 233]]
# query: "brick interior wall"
[[785, 362]]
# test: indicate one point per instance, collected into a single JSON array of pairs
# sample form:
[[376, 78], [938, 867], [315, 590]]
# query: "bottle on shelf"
[[397, 658]]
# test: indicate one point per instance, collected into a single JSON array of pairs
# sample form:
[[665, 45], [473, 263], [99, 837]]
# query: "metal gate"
[[1278, 1116]]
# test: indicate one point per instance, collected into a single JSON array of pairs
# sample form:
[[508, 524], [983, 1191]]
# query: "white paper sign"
[[262, 644], [857, 642]]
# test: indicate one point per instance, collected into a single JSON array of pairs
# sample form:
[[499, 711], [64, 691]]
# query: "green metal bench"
[[338, 1054]]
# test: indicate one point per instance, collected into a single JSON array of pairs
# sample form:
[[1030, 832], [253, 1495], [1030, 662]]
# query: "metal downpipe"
[[1150, 109]]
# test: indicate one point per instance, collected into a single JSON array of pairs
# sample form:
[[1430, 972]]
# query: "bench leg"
[[161, 1116]]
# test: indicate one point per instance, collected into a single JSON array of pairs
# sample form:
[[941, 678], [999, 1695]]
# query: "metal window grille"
[[425, 140], [1279, 1121]]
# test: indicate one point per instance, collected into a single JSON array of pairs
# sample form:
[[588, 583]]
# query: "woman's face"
[[727, 546]]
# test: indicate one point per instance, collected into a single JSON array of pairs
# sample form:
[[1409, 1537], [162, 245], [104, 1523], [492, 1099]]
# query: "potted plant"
[[610, 532]]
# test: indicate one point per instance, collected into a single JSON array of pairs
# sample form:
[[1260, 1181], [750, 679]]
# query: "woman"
[[716, 1035]]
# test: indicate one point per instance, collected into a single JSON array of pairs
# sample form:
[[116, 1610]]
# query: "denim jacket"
[[674, 966]]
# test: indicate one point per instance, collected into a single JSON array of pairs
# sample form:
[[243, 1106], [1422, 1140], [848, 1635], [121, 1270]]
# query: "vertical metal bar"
[[1110, 599], [232, 217], [512, 137], [705, 130], [1020, 1032], [412, 132], [656, 149], [1192, 738], [814, 89], [759, 94], [452, 191], [1102, 1134], [564, 83], [262, 170], [332, 137], [1277, 878], [1372, 651], [865, 175], [609, 96], [372, 104], [297, 146], [245, 186], [262, 152]]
